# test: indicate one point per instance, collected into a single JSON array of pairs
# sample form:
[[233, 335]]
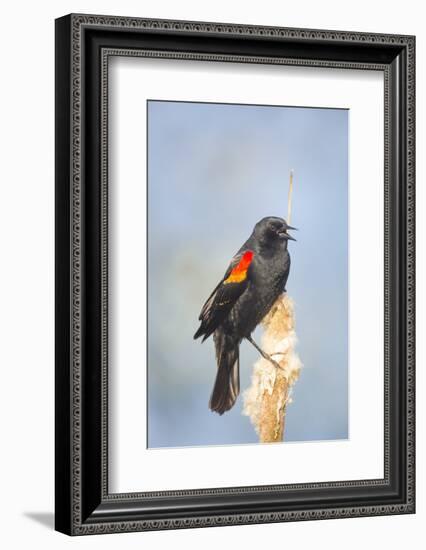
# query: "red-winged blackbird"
[[255, 278]]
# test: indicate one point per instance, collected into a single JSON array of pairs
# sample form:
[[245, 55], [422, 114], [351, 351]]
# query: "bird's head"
[[272, 230]]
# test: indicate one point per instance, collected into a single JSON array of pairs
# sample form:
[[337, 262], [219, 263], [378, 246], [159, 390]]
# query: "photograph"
[[247, 318]]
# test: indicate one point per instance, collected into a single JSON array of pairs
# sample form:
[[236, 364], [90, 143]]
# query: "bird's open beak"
[[287, 236], [284, 235]]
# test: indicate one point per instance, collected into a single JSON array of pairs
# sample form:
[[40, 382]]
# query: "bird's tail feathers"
[[227, 384]]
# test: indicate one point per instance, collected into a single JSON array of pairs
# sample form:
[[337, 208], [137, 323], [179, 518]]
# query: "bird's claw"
[[276, 364]]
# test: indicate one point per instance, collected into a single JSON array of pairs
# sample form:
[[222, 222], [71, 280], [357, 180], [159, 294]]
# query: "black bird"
[[255, 278]]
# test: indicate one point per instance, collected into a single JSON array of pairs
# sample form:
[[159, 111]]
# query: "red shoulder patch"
[[239, 272]]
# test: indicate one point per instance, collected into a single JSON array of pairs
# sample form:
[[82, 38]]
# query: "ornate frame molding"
[[72, 48]]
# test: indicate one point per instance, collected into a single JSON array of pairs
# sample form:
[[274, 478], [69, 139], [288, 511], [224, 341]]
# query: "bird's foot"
[[265, 355], [271, 360], [278, 353]]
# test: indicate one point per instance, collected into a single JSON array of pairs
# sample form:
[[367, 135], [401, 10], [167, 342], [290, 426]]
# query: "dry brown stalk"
[[266, 399]]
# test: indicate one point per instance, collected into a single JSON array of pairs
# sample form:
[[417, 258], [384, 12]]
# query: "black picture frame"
[[83, 45]]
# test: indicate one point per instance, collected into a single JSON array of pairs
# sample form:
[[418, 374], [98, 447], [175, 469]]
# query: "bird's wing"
[[226, 294]]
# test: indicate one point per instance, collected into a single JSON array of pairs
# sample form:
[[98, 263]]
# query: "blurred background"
[[214, 170]]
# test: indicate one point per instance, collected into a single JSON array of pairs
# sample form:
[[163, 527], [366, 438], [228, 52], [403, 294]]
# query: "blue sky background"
[[214, 170]]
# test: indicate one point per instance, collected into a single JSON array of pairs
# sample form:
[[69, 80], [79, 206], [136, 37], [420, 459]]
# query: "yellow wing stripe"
[[236, 277]]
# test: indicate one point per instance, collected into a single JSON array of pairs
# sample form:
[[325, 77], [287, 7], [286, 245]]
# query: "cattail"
[[266, 400]]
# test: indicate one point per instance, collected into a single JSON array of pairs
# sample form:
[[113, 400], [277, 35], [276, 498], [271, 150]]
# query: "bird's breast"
[[267, 280], [271, 271]]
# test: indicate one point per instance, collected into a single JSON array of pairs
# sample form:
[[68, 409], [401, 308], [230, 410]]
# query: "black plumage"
[[255, 278]]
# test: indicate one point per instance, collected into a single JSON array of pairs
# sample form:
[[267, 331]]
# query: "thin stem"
[[290, 192]]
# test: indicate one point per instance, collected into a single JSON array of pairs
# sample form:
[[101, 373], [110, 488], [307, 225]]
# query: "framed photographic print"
[[234, 274]]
